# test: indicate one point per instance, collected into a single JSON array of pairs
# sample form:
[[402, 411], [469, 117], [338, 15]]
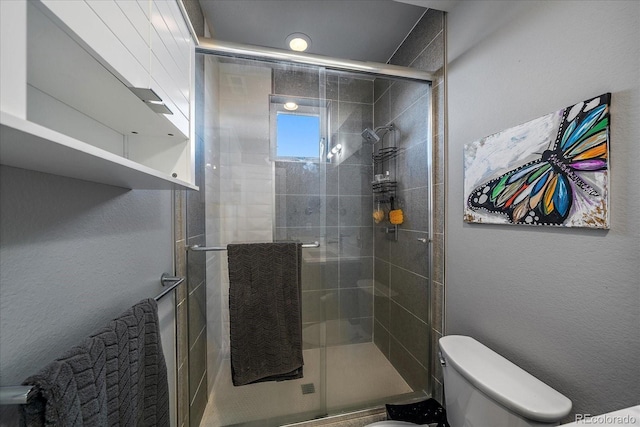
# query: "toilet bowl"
[[483, 388]]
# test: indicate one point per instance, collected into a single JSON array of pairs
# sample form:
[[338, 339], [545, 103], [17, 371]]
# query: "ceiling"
[[363, 30]]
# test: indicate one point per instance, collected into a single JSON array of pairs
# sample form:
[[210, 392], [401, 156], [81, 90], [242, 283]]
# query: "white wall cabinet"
[[71, 96]]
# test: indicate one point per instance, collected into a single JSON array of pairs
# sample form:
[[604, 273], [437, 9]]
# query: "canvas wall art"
[[551, 171]]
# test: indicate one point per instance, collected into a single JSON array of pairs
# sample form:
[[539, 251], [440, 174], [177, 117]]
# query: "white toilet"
[[483, 389]]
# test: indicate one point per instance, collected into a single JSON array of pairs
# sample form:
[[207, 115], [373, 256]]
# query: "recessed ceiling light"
[[298, 42], [291, 106]]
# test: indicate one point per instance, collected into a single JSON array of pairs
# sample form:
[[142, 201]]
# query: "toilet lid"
[[503, 381]]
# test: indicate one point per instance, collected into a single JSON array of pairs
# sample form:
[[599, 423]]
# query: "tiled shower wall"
[[216, 350], [414, 305], [244, 197], [196, 221], [189, 229], [339, 288], [349, 202], [402, 323]]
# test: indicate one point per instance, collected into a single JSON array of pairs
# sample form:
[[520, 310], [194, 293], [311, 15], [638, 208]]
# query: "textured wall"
[[73, 255], [562, 303]]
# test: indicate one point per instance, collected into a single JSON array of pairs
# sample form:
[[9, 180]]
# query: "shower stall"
[[297, 152]]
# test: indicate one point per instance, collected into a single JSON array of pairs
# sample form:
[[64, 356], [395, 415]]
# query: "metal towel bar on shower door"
[[197, 248]]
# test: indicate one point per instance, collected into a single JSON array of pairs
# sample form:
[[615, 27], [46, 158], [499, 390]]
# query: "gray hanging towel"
[[265, 312], [116, 377]]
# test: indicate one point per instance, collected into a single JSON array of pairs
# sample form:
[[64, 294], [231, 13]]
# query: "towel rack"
[[165, 279], [20, 394], [16, 395], [196, 248]]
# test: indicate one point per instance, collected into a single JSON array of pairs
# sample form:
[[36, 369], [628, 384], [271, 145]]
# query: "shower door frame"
[[207, 46]]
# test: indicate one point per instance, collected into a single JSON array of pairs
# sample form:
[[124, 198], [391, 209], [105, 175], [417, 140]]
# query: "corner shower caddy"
[[385, 172]]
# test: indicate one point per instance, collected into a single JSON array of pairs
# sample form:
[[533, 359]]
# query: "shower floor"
[[357, 374]]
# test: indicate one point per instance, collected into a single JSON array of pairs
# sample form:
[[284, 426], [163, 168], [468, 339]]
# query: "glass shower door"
[[286, 161], [267, 184]]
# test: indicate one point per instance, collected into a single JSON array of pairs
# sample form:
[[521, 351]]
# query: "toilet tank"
[[484, 389]]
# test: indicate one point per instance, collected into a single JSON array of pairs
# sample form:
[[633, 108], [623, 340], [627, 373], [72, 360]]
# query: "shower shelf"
[[384, 187], [384, 154]]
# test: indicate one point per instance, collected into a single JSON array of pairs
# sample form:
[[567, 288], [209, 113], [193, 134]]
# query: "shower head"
[[374, 135], [370, 136]]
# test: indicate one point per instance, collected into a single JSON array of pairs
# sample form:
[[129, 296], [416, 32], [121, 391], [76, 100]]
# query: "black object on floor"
[[424, 412]]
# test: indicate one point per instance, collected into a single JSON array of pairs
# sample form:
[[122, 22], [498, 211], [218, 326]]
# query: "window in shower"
[[297, 136]]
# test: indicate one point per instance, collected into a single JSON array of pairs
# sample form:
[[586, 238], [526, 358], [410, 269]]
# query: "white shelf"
[[74, 113], [27, 145]]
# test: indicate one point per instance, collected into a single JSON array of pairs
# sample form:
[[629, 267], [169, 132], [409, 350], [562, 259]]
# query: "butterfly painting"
[[550, 171]]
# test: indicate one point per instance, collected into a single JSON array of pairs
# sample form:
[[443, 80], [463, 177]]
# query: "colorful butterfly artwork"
[[549, 171]]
